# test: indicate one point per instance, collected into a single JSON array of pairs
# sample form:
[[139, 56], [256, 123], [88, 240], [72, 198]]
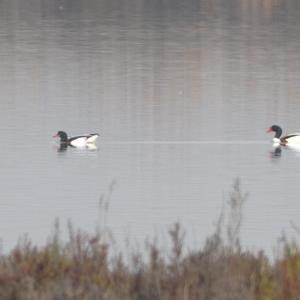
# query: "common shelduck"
[[289, 139], [77, 141]]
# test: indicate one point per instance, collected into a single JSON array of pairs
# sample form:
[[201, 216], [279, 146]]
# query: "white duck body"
[[78, 142], [91, 139], [84, 140]]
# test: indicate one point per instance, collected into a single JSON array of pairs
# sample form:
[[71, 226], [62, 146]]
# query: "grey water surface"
[[181, 93]]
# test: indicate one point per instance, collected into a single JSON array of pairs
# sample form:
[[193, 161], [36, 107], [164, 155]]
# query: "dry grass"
[[83, 268]]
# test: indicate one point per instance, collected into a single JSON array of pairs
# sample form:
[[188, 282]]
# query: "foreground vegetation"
[[84, 268]]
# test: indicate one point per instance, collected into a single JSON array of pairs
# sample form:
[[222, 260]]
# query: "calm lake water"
[[181, 93]]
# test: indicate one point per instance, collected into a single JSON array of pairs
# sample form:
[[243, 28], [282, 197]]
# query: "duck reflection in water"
[[63, 147], [276, 153]]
